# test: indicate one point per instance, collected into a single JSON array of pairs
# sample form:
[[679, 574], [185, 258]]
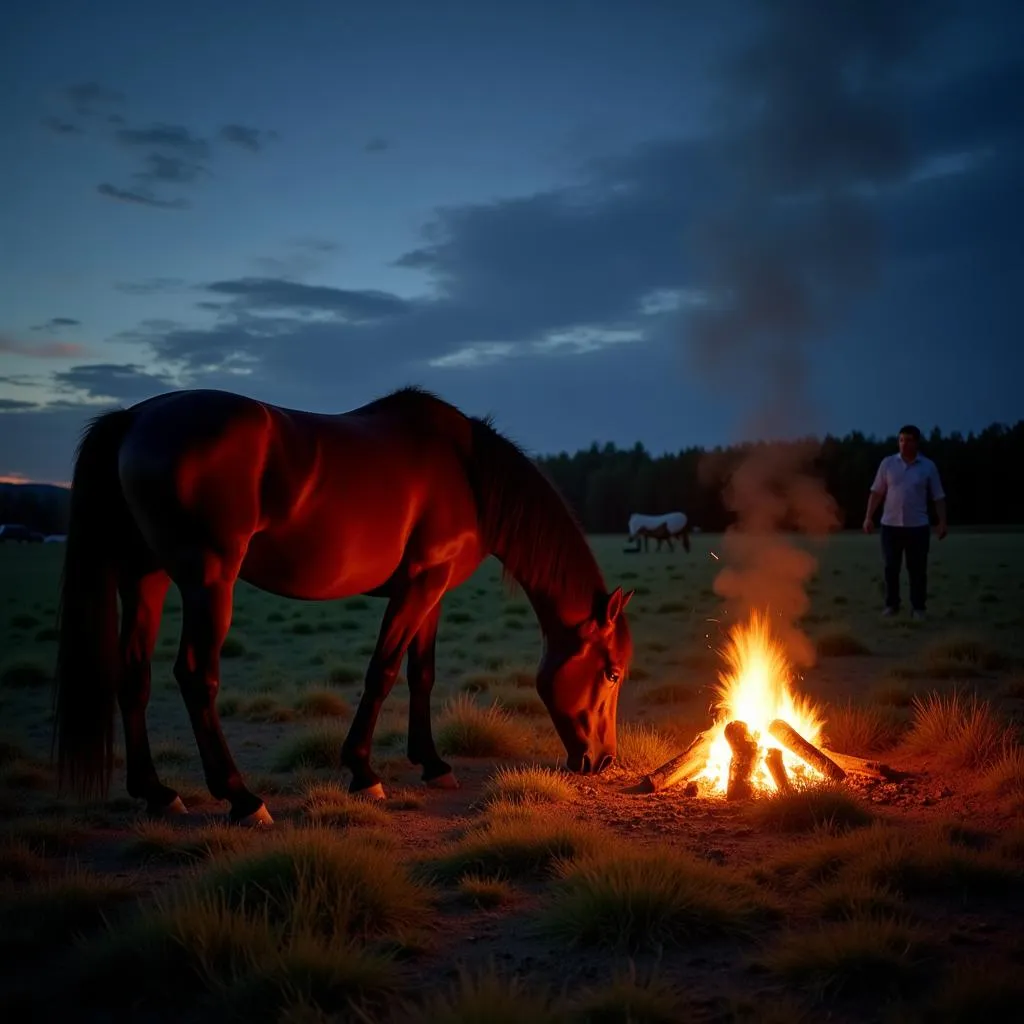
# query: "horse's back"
[[320, 504]]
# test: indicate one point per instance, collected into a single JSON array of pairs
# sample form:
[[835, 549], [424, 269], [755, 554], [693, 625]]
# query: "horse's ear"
[[617, 601]]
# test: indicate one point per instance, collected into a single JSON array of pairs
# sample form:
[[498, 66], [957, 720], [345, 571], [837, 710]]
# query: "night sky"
[[670, 222]]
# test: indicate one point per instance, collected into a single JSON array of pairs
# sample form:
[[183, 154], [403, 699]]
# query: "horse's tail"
[[88, 661]]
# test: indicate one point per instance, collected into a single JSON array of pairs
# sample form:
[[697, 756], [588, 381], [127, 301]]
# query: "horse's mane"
[[526, 522]]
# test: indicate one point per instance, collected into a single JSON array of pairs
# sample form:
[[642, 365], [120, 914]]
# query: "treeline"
[[980, 473], [41, 507], [606, 484]]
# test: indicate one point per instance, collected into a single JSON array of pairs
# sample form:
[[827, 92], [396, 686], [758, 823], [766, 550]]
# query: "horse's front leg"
[[422, 751], [405, 614]]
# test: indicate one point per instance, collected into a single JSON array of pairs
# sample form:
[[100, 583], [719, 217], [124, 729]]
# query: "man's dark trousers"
[[912, 541]]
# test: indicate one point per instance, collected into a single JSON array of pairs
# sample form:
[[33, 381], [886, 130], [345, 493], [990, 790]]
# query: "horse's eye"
[[611, 675]]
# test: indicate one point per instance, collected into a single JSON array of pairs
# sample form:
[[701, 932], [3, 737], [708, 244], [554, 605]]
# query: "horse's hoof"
[[260, 818], [374, 792], [174, 809], [446, 781]]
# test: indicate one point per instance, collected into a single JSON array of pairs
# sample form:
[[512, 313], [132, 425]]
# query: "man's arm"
[[875, 496], [939, 497]]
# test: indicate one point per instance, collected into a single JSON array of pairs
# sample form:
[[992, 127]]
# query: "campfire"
[[765, 734]]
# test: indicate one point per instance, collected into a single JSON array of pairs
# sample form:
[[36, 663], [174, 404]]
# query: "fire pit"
[[765, 735]]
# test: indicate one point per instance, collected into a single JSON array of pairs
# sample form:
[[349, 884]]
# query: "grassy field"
[[528, 894]]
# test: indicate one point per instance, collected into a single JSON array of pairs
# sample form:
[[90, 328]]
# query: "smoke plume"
[[810, 127]]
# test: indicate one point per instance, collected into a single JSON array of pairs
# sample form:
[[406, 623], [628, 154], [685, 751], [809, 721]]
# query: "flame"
[[755, 689]]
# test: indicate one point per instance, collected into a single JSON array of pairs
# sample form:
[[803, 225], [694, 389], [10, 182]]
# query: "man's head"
[[909, 441]]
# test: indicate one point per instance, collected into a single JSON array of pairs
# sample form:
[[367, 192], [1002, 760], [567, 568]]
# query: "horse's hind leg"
[[421, 748], [142, 599], [206, 583]]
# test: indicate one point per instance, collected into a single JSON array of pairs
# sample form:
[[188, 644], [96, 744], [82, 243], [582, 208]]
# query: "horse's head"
[[579, 680]]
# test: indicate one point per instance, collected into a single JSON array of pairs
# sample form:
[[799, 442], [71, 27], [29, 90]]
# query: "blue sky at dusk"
[[673, 222]]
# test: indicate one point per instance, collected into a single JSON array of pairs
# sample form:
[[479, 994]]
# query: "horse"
[[662, 528], [401, 498]]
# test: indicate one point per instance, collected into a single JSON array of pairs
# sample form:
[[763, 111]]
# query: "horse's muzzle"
[[584, 765]]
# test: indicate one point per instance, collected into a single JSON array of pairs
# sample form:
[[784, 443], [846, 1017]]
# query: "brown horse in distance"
[[401, 498]]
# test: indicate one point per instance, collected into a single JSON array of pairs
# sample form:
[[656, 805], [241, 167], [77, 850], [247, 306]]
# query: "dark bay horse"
[[401, 498]]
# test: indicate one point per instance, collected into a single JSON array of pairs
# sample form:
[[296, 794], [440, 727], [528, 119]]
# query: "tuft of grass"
[[529, 785], [929, 863], [630, 997], [169, 752], [642, 748], [965, 650], [959, 730], [322, 704], [49, 837], [515, 842], [318, 747], [645, 899], [486, 996], [24, 675], [56, 909], [341, 675], [861, 730], [855, 898], [160, 841], [877, 955], [484, 892], [312, 881], [819, 806], [328, 804], [1005, 777], [839, 642], [465, 729]]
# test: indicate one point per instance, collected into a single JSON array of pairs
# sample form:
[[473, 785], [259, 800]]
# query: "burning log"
[[741, 767], [785, 734], [675, 770], [778, 770], [871, 769]]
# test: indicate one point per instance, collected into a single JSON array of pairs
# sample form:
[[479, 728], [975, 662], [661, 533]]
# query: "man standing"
[[905, 481]]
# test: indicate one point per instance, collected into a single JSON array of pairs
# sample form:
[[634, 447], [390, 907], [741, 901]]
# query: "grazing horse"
[[401, 498], [662, 528]]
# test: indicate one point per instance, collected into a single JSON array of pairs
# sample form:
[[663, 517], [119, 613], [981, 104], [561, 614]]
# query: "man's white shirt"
[[906, 487]]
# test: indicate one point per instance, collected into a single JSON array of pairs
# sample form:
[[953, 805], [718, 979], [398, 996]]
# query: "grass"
[[643, 899], [527, 785], [960, 730], [466, 729], [819, 806], [214, 923], [515, 842], [861, 730], [876, 955]]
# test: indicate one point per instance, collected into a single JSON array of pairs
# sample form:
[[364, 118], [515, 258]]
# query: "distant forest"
[[980, 472]]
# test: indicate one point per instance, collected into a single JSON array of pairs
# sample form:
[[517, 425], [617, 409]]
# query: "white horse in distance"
[[662, 528]]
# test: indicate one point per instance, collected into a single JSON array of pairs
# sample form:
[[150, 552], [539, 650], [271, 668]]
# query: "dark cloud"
[[56, 323], [376, 145], [169, 169], [151, 286], [140, 196], [13, 405], [246, 137], [59, 126], [86, 96], [260, 293], [119, 383], [173, 137]]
